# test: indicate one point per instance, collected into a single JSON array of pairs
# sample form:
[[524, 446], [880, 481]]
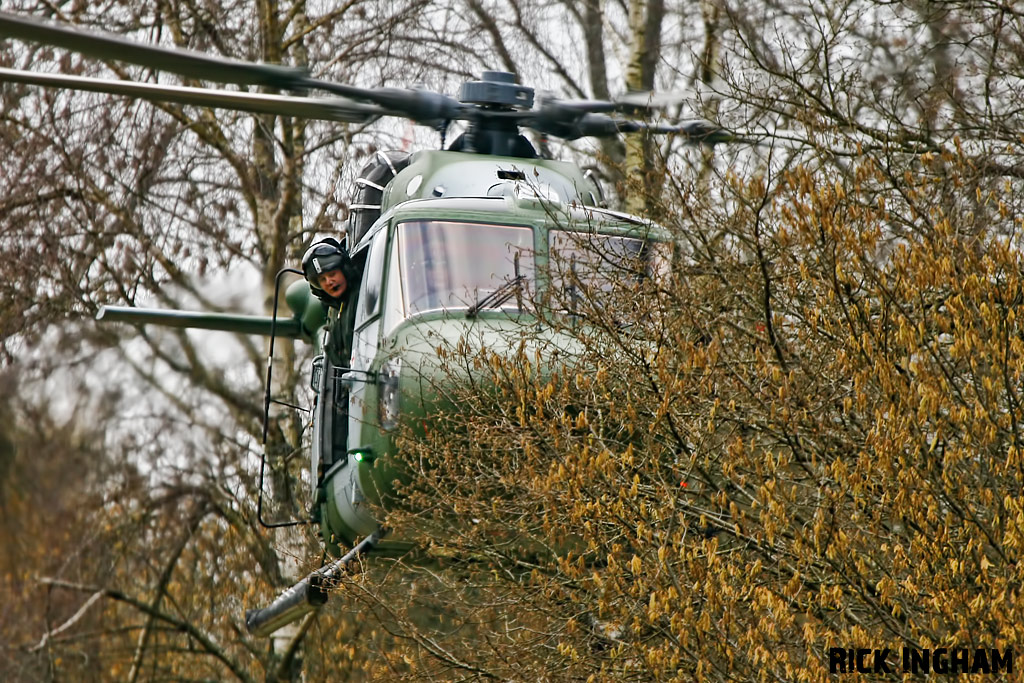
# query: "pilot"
[[328, 270], [333, 279]]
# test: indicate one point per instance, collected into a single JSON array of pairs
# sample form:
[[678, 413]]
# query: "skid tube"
[[308, 594]]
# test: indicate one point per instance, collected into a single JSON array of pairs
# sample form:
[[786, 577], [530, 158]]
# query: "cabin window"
[[447, 264], [588, 264], [369, 293]]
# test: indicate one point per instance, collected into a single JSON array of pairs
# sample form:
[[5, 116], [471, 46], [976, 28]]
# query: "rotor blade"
[[326, 109], [572, 119], [697, 131], [577, 107], [422, 106], [184, 62], [702, 131], [648, 99], [631, 102]]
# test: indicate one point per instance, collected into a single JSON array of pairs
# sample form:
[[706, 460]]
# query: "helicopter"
[[447, 242]]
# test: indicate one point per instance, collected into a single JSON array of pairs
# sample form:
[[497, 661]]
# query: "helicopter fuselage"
[[455, 230]]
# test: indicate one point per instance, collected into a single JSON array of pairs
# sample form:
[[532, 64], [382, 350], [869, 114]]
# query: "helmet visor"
[[320, 259]]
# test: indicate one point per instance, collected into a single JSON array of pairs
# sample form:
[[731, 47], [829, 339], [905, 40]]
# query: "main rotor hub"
[[497, 89]]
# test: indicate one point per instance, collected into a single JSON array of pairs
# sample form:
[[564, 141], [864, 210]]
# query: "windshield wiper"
[[502, 294]]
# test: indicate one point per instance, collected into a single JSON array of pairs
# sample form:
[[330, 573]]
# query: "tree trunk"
[[642, 169]]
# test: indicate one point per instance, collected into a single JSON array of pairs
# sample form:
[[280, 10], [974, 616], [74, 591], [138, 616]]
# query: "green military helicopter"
[[449, 243]]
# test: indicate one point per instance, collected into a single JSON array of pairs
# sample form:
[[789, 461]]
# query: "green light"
[[362, 455]]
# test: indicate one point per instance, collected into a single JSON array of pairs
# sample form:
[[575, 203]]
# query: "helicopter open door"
[[342, 385]]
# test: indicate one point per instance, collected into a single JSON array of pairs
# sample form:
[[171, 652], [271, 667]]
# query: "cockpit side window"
[[369, 293], [592, 264]]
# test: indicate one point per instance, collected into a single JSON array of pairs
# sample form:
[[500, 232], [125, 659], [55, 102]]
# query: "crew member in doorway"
[[334, 279], [328, 271]]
